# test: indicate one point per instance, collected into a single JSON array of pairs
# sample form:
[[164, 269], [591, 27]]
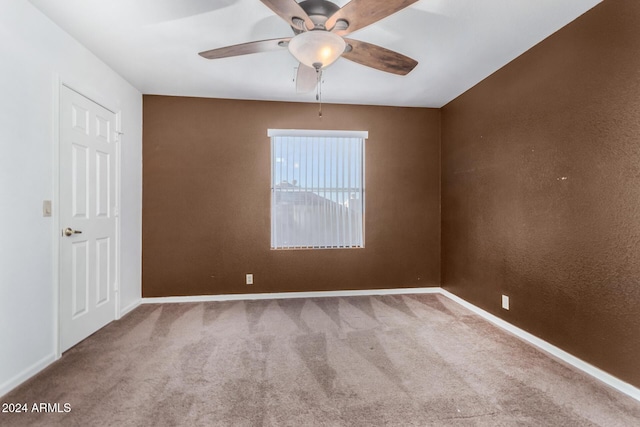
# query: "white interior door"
[[87, 199]]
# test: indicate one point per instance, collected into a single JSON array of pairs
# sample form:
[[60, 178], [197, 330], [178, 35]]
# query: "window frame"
[[311, 133]]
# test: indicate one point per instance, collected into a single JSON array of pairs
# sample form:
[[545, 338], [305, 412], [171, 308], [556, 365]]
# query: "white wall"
[[34, 53]]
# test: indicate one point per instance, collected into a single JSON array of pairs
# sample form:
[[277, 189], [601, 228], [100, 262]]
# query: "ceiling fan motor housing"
[[319, 10]]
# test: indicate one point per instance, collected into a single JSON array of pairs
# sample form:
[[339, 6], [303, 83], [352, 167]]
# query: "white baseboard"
[[551, 349], [286, 295], [27, 373], [130, 307]]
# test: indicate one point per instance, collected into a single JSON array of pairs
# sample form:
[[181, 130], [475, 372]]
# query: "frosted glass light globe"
[[317, 48]]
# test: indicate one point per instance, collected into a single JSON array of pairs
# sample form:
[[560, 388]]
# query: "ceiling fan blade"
[[289, 9], [246, 48], [379, 58], [306, 79], [360, 13]]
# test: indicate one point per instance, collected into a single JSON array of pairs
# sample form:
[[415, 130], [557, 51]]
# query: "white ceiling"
[[153, 44]]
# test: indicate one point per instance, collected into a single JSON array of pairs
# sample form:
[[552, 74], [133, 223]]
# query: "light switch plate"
[[46, 208]]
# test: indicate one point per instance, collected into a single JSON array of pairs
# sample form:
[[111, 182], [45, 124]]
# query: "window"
[[317, 189]]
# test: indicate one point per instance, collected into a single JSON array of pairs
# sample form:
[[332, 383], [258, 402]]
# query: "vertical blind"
[[317, 190]]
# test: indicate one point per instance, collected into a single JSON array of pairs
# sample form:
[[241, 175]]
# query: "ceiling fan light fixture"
[[317, 48]]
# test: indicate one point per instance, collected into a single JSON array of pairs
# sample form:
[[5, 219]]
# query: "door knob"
[[70, 231]]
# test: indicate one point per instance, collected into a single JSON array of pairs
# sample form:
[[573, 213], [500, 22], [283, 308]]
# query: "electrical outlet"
[[249, 279], [505, 302]]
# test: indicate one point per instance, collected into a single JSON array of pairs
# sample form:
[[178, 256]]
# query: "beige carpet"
[[361, 361]]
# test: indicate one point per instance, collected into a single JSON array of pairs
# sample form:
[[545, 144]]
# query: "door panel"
[[102, 184], [79, 278], [87, 206], [80, 181], [103, 270]]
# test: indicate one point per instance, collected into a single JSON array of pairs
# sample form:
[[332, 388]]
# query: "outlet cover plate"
[[505, 302]]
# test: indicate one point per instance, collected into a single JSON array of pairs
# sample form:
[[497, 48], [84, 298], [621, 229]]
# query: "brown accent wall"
[[206, 199], [541, 190]]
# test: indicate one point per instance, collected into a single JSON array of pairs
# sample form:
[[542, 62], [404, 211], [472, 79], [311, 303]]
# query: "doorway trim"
[[97, 97]]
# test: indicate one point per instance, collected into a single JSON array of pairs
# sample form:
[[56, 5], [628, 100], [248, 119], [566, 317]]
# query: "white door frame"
[[96, 97]]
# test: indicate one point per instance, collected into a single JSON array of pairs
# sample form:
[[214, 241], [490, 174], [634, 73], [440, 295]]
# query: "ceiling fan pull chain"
[[319, 91]]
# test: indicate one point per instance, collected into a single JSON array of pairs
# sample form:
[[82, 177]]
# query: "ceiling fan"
[[319, 28]]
